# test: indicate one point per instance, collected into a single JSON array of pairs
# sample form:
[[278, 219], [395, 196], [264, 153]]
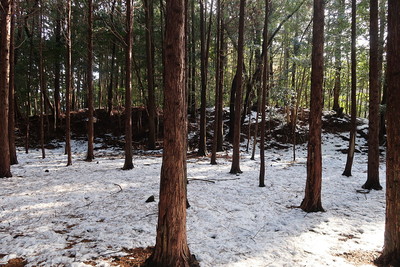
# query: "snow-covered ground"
[[53, 215]]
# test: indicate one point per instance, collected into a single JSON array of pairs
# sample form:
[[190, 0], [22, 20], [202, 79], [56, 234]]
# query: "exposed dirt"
[[360, 257]]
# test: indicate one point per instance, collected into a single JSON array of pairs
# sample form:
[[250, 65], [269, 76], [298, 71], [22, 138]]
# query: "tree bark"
[[391, 248], [202, 151], [57, 67], [312, 198], [42, 84], [68, 84], [171, 247], [264, 96], [235, 168], [90, 154], [5, 28], [353, 125], [128, 165], [11, 102], [373, 115]]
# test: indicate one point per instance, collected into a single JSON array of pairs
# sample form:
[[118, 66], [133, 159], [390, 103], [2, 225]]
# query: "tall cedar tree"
[[353, 125], [171, 247], [90, 154], [42, 81], [68, 84], [217, 84], [11, 112], [5, 28], [235, 168], [264, 96], [203, 131], [151, 101], [373, 115], [128, 165], [391, 248], [312, 199]]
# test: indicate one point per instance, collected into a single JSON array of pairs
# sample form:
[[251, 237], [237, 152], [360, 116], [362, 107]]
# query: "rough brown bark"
[[11, 114], [128, 165], [235, 168], [373, 115], [312, 198], [42, 84], [391, 248], [353, 130], [171, 243], [5, 27], [90, 154], [57, 67], [264, 97], [68, 84]]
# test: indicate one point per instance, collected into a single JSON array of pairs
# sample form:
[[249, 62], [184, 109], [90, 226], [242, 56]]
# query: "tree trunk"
[[221, 55], [391, 248], [171, 247], [90, 154], [235, 168], [128, 165], [192, 101], [5, 28], [353, 130], [68, 84], [111, 82], [202, 151], [151, 102], [11, 102], [373, 128], [338, 58], [264, 96], [42, 84], [57, 67], [312, 198]]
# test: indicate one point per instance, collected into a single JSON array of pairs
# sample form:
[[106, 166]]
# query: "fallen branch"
[[120, 188], [203, 180]]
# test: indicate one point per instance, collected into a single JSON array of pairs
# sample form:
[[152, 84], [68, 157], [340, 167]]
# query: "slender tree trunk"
[[111, 82], [42, 84], [353, 130], [90, 154], [68, 84], [217, 84], [338, 58], [391, 248], [203, 131], [192, 104], [11, 102], [57, 67], [128, 165], [373, 128], [221, 55], [171, 247], [235, 168], [5, 28], [264, 96], [151, 104], [312, 198]]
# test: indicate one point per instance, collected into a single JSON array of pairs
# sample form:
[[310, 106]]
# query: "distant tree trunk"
[[202, 151], [312, 198], [57, 67], [232, 101], [391, 248], [11, 102], [353, 129], [192, 103], [42, 83], [151, 102], [5, 28], [90, 154], [217, 84], [382, 74], [373, 128], [221, 55], [68, 84], [128, 165], [171, 247], [235, 168], [264, 96], [111, 82], [338, 58]]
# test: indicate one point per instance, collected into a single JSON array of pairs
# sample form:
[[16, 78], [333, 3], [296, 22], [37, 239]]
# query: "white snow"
[[55, 215]]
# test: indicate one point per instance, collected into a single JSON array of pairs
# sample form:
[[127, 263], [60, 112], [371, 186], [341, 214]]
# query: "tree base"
[[235, 170], [128, 166], [372, 185], [191, 262], [391, 259], [6, 174], [346, 173]]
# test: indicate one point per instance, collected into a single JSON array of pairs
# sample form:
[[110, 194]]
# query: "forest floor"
[[95, 213]]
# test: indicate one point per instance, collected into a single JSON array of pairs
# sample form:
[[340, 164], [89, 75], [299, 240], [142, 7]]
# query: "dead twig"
[[203, 180]]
